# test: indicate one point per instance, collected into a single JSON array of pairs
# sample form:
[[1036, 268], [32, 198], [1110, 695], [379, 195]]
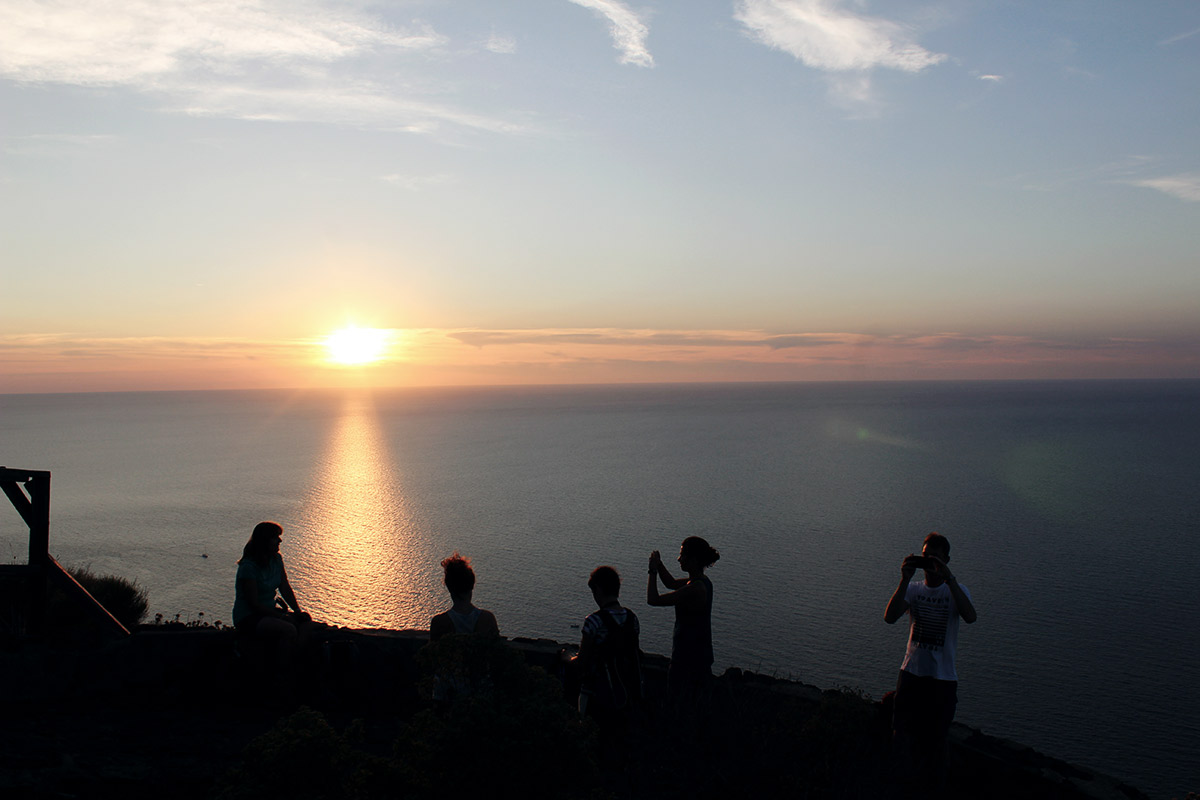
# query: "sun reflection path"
[[358, 558]]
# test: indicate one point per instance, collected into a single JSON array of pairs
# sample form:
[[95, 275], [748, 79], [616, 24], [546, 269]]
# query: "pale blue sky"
[[259, 173]]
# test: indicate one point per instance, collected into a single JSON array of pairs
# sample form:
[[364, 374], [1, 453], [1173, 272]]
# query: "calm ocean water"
[[1071, 508]]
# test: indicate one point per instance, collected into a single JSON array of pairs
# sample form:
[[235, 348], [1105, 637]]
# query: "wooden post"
[[34, 509], [38, 487]]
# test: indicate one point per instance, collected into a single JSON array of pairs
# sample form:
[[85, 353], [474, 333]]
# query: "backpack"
[[619, 667]]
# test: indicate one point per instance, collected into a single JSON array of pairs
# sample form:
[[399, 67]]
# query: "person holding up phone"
[[927, 689], [690, 673]]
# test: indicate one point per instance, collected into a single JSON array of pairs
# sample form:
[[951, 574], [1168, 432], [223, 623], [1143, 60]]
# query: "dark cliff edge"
[[173, 710]]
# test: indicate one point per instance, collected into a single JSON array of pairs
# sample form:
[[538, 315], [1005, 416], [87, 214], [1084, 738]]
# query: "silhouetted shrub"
[[508, 723], [304, 757], [123, 598], [507, 719], [824, 748], [838, 740]]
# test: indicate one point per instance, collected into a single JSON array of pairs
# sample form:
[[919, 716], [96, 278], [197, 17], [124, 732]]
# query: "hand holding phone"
[[913, 562]]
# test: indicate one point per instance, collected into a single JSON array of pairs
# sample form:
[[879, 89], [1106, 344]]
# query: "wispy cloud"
[[646, 338], [824, 36], [1124, 170], [935, 350], [139, 42], [416, 183], [854, 93], [1184, 187], [362, 105], [628, 30], [1180, 37], [55, 144], [991, 78], [65, 362], [1129, 171], [502, 45], [50, 346], [261, 59]]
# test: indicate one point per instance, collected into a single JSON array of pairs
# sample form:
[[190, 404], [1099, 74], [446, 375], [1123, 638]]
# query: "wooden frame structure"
[[29, 492]]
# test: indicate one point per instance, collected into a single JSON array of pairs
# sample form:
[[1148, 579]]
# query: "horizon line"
[[610, 384]]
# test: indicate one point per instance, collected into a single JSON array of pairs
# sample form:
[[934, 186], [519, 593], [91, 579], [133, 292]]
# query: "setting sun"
[[355, 345]]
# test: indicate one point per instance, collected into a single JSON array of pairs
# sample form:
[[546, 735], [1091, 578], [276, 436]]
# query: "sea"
[[1071, 507]]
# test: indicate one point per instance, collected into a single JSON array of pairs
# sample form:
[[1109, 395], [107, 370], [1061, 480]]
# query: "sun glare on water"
[[355, 345]]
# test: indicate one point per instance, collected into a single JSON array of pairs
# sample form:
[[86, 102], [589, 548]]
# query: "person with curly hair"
[[462, 616]]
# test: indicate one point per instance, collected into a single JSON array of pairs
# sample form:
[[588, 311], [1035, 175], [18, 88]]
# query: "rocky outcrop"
[[172, 709]]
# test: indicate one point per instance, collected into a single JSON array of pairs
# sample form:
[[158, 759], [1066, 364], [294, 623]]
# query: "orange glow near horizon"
[[354, 346], [355, 357]]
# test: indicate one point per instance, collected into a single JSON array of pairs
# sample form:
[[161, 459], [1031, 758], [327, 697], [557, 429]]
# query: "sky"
[[194, 195]]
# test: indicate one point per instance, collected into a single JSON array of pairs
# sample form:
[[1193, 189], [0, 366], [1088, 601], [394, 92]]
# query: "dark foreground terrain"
[[180, 713]]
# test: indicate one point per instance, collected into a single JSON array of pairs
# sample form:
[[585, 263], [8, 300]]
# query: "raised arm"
[[657, 567], [690, 594], [897, 605], [664, 575], [966, 609], [687, 594]]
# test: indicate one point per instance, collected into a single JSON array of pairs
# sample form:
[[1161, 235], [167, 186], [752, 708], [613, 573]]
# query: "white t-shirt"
[[933, 633]]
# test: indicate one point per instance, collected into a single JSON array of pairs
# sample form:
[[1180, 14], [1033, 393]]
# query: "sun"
[[353, 345]]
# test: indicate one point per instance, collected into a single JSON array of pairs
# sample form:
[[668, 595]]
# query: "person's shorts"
[[923, 705]]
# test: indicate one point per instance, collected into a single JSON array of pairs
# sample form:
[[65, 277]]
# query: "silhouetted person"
[[256, 612], [691, 642], [463, 616], [927, 689], [609, 658], [461, 672]]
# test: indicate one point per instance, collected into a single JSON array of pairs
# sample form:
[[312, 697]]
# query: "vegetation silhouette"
[[512, 726], [123, 598]]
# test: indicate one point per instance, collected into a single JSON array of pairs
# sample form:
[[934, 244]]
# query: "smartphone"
[[925, 562]]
